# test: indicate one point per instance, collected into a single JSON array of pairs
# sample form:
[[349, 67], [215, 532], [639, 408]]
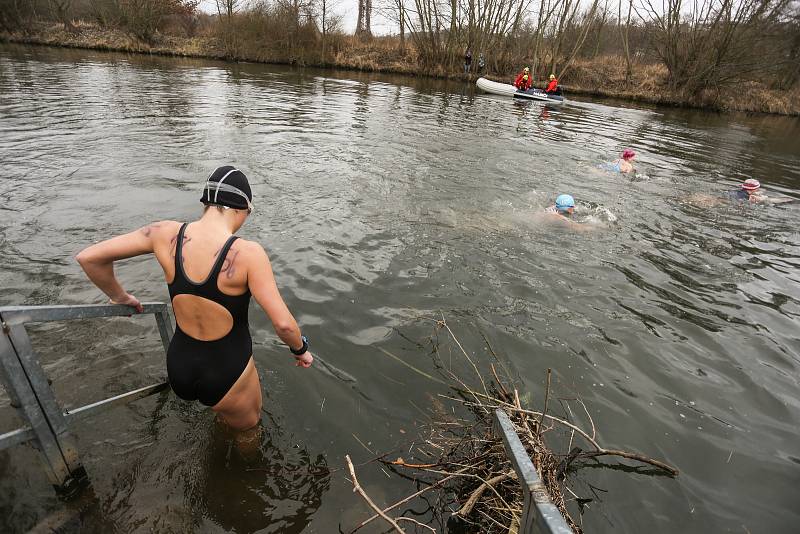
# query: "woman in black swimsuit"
[[211, 275]]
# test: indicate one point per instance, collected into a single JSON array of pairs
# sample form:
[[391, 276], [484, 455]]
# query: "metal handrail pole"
[[164, 328], [44, 393], [54, 463], [5, 381], [36, 314], [539, 514]]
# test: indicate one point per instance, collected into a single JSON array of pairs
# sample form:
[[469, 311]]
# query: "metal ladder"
[[30, 391]]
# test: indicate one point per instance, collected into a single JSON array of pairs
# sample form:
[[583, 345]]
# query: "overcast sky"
[[348, 9]]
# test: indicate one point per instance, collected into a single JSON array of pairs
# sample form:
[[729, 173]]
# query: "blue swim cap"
[[564, 202]]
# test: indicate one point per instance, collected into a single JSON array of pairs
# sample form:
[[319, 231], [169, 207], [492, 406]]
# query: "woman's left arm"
[[98, 260]]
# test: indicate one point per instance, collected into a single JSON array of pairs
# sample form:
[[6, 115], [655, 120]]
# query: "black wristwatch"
[[302, 350]]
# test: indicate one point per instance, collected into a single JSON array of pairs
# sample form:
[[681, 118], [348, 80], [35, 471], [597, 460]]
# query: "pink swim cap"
[[628, 153], [751, 185]]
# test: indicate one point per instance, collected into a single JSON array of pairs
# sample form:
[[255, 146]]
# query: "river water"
[[387, 203]]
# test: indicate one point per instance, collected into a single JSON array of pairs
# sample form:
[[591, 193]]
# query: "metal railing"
[[539, 515], [30, 391]]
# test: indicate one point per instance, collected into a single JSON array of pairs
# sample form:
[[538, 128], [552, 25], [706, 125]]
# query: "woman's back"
[[211, 275], [201, 316]]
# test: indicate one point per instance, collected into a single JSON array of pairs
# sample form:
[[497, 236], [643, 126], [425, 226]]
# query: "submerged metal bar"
[[26, 433], [90, 409], [539, 515], [30, 392], [16, 437]]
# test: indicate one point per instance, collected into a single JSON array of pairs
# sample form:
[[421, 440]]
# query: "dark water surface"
[[384, 202]]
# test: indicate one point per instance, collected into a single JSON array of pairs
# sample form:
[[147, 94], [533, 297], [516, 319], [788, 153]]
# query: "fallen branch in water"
[[599, 451], [403, 518], [476, 495], [405, 500], [357, 489]]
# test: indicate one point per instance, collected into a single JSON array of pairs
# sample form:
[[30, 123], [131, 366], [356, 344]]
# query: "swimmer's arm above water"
[[98, 260], [261, 282]]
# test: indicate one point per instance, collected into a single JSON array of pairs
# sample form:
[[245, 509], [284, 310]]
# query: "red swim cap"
[[628, 153], [751, 185]]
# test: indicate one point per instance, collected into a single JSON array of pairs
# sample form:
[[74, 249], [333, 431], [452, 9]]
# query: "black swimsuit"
[[206, 370]]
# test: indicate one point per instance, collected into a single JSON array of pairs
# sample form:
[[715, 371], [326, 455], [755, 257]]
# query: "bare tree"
[[624, 32], [62, 10], [601, 26], [717, 42], [395, 11], [582, 32], [329, 22], [227, 7], [547, 8], [16, 15], [363, 25]]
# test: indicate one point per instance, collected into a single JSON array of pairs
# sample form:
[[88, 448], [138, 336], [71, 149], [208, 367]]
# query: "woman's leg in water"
[[240, 408]]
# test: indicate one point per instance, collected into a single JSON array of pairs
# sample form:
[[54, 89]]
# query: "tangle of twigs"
[[465, 461]]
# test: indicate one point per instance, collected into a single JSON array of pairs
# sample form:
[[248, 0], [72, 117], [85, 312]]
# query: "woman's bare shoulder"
[[250, 248], [161, 230]]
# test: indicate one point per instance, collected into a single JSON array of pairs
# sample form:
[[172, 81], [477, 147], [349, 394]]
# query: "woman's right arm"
[[261, 282], [98, 260]]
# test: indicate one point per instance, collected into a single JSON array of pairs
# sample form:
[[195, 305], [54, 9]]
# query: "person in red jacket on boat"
[[523, 81], [552, 87]]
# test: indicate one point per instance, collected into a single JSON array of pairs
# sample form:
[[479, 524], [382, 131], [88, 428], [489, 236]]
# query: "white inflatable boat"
[[506, 89]]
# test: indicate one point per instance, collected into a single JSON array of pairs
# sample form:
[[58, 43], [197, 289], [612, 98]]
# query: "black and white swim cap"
[[228, 186]]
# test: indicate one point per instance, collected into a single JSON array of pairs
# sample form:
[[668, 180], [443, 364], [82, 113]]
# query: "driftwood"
[[358, 489], [466, 463]]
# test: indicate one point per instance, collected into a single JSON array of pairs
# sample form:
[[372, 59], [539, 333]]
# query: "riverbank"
[[601, 76]]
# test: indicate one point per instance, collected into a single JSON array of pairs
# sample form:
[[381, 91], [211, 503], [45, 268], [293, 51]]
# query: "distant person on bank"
[[523, 80], [467, 60], [481, 62]]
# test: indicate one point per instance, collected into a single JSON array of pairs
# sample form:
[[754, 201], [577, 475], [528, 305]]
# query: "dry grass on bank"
[[92, 36], [605, 76], [602, 76], [379, 54]]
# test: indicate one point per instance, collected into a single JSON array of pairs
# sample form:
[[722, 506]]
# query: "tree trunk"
[[324, 28], [363, 27], [401, 8], [625, 33]]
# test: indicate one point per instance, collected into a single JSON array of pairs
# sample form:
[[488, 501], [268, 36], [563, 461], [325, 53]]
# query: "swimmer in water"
[[211, 275], [748, 191], [561, 212], [563, 208], [624, 164]]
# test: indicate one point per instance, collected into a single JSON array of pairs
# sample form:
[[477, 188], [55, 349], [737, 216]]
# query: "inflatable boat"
[[506, 89]]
